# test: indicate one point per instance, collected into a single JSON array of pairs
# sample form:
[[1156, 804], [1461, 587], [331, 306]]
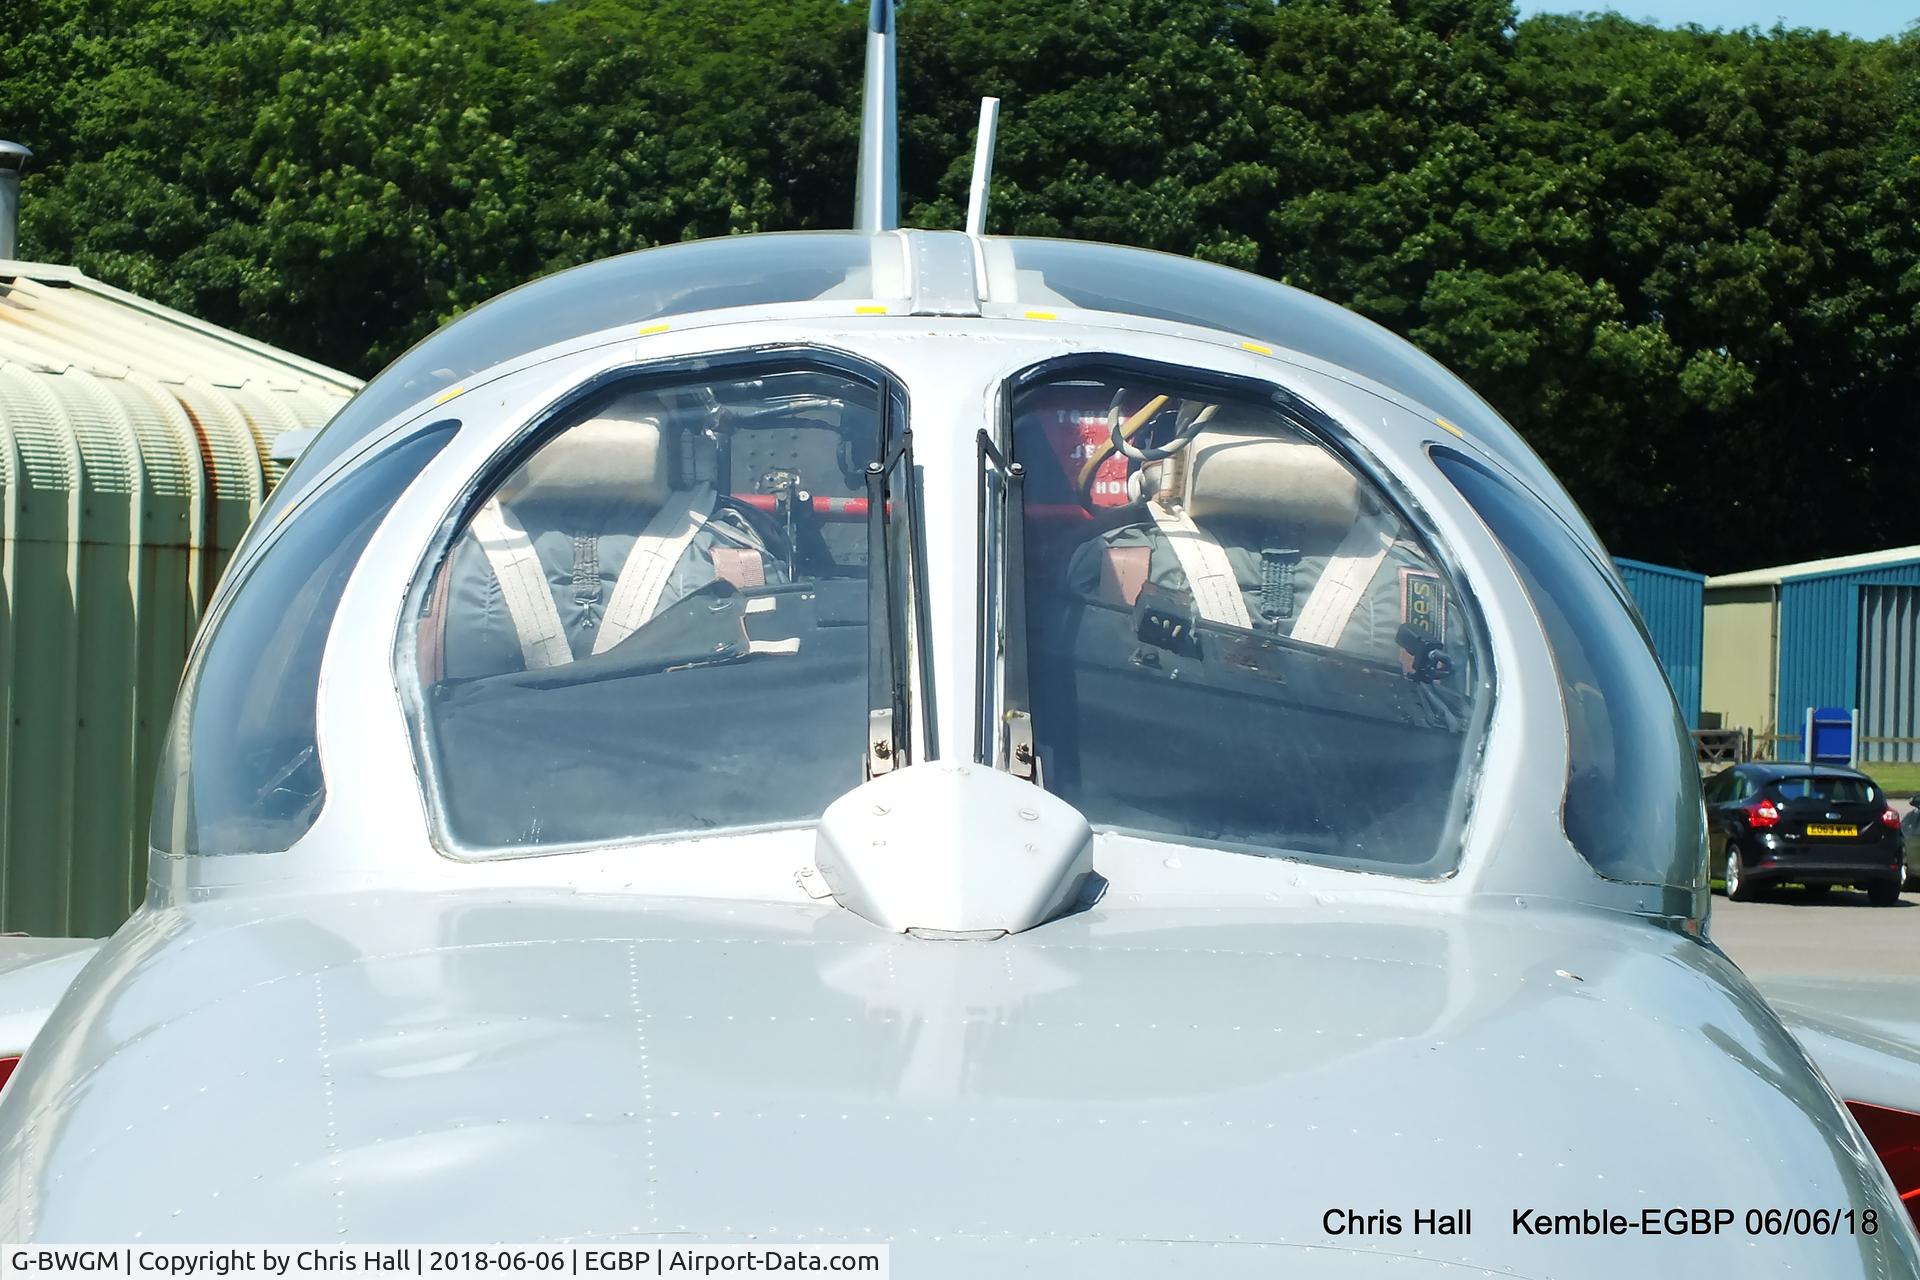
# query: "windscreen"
[[1233, 638], [1632, 804], [241, 772], [656, 622], [1103, 277], [1831, 790], [634, 288]]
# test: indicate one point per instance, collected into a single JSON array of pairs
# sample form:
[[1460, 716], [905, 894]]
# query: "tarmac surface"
[[1795, 933], [1836, 934]]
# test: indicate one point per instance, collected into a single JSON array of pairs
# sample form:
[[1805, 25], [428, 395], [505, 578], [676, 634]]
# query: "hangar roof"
[[1814, 568], [98, 385]]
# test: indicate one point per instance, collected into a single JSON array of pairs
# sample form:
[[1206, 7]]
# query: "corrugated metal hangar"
[[1824, 633], [135, 447], [1756, 650], [1670, 604]]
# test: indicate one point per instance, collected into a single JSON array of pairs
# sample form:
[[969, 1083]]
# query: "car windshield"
[[1233, 637], [1830, 790], [657, 622]]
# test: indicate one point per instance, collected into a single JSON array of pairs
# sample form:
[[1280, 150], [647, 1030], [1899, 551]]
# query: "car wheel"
[[1884, 893], [1739, 884]]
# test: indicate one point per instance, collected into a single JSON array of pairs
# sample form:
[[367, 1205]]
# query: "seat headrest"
[[618, 457], [1241, 475]]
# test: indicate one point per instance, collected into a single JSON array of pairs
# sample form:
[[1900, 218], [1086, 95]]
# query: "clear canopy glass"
[[634, 288], [1164, 286], [658, 622], [1233, 637], [1632, 804], [241, 771], [765, 270]]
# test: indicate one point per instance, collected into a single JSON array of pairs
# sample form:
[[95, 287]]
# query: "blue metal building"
[[1825, 633], [1671, 603]]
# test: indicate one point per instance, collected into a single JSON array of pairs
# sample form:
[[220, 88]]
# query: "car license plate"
[[1828, 829]]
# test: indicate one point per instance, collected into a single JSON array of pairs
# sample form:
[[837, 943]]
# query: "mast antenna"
[[876, 198], [982, 167]]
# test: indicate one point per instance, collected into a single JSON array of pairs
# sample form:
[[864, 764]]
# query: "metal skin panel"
[[1671, 604], [34, 974], [1890, 671], [1820, 641], [1147, 1086], [1863, 1032], [361, 1037]]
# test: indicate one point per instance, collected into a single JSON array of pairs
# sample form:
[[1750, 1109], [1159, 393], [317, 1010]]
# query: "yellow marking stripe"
[[870, 311], [1256, 348], [448, 394], [1041, 315], [1444, 425], [652, 329]]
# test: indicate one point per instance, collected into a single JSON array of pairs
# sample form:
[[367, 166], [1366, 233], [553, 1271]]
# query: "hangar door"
[[1889, 682]]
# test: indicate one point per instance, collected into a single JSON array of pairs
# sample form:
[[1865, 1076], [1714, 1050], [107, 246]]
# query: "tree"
[[331, 178]]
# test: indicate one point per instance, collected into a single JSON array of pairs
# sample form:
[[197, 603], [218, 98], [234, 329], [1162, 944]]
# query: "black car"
[[1816, 825]]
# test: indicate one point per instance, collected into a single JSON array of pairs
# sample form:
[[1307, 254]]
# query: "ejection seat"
[[1258, 592], [1273, 534], [608, 525]]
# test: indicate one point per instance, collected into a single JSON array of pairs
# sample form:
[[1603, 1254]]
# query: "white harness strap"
[[1342, 584], [636, 595], [524, 588], [1210, 576]]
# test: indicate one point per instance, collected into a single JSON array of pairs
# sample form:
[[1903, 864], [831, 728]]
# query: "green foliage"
[[656, 122], [1686, 264]]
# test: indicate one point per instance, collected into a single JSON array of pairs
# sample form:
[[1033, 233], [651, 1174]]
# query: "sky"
[[1870, 19]]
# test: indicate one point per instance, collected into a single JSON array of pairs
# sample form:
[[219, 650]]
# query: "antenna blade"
[[982, 167], [876, 198]]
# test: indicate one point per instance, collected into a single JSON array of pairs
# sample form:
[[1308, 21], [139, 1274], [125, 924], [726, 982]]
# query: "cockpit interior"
[[1224, 631], [1233, 636], [667, 598]]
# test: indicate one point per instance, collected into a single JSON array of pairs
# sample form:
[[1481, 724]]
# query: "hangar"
[[1669, 601], [136, 444], [1843, 632]]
